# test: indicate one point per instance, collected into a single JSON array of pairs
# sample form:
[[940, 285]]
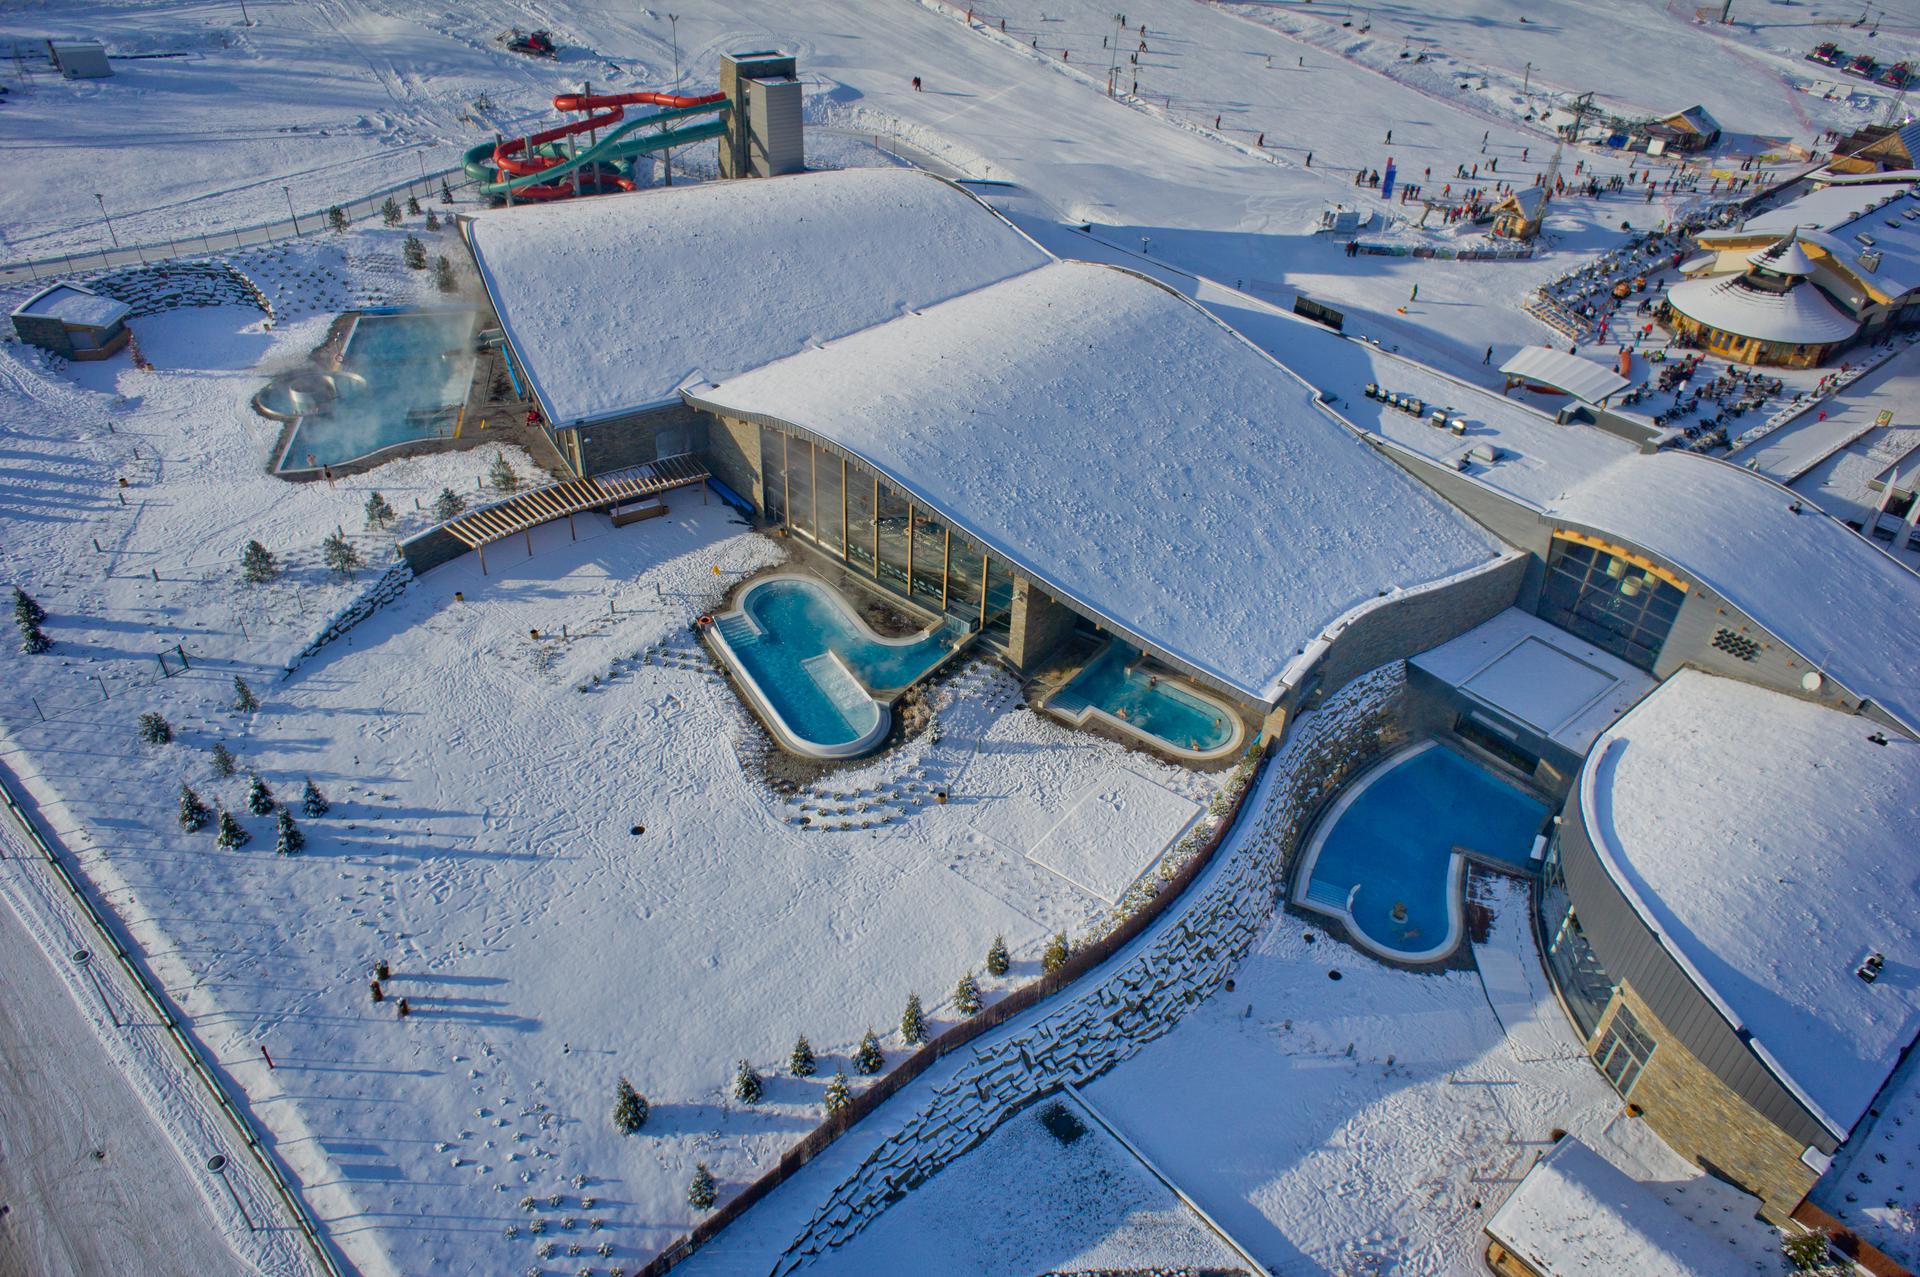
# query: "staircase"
[[739, 632]]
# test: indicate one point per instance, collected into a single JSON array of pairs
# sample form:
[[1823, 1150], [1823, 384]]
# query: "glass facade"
[[1584, 983], [1608, 601], [1624, 1051]]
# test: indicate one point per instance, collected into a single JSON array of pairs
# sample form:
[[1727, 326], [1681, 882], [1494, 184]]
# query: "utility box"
[[79, 59], [765, 135]]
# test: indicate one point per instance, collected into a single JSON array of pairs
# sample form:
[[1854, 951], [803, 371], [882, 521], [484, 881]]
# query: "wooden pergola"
[[528, 510]]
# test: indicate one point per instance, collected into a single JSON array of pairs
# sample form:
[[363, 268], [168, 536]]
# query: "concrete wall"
[[1512, 522], [43, 331], [637, 438], [1690, 644], [429, 549], [1036, 625]]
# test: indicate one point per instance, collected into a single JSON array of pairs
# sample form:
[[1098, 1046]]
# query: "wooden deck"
[[563, 500]]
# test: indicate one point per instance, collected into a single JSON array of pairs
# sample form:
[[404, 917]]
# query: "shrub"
[[998, 961], [339, 554], [379, 513], [259, 797], [447, 505], [313, 803], [337, 218], [747, 1087], [913, 1021], [966, 995], [243, 698], [413, 252], [501, 476], [223, 764], [801, 1063], [869, 1059], [287, 836], [230, 835], [701, 1191], [1056, 955], [839, 1094], [256, 564], [443, 275], [390, 211], [193, 812]]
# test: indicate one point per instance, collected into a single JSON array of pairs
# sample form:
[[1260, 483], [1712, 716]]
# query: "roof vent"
[[1870, 260], [1870, 969], [1865, 238], [1738, 646]]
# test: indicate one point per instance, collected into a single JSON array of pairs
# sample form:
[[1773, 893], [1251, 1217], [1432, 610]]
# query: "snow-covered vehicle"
[[1897, 75], [535, 44], [1826, 53], [1861, 66]]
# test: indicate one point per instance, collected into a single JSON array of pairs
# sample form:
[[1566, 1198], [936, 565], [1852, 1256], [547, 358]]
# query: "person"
[[1389, 137], [916, 84], [1309, 159], [1414, 296], [1489, 356]]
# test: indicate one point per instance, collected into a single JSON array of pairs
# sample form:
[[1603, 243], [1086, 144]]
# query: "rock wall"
[[383, 590], [1144, 996]]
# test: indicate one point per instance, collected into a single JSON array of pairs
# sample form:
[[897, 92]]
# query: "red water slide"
[[508, 157]]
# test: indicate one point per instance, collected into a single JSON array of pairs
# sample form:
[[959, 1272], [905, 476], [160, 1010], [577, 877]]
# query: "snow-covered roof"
[[613, 303], [1527, 200], [1769, 844], [1863, 225], [1581, 378], [1800, 314], [1537, 674], [1783, 257], [74, 305], [1134, 455], [1696, 118], [1575, 1214]]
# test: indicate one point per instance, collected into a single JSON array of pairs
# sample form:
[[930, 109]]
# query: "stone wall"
[[383, 590], [636, 439], [1142, 995], [733, 455], [1037, 624]]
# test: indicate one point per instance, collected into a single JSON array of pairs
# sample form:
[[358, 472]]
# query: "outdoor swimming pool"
[[1165, 712], [1389, 858], [820, 676], [402, 377]]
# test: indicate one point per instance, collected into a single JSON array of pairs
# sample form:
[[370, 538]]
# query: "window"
[[1623, 1051], [1609, 601], [1584, 983]]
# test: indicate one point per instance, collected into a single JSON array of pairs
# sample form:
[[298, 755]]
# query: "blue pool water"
[[1396, 840], [417, 366], [795, 624], [1162, 709]]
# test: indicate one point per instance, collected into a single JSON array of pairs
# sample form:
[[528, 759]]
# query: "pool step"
[[738, 631], [1330, 894], [840, 687]]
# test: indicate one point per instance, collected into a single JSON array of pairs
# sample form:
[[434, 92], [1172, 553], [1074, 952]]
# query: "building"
[[1878, 148], [79, 59], [72, 321], [1518, 213], [1800, 283], [1693, 129]]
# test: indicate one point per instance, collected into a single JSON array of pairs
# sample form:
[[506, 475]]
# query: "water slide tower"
[[764, 133]]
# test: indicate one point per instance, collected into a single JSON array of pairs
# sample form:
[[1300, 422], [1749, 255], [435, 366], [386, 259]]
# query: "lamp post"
[[101, 200], [673, 23], [288, 192]]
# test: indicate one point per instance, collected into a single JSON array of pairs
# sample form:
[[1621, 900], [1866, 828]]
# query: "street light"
[[101, 200], [288, 192], [673, 21]]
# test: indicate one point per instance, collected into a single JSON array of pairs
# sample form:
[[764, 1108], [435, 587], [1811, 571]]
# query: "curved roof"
[[1768, 843], [1135, 456], [1582, 378], [613, 303], [1785, 257], [1818, 587], [1801, 314]]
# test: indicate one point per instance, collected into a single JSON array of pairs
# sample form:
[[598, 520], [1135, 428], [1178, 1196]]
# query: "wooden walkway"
[[530, 509]]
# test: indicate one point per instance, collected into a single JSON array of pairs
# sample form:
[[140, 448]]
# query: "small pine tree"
[[337, 218], [379, 513], [446, 192], [230, 835], [390, 211], [1807, 1252], [223, 764], [155, 729], [966, 995], [288, 838], [313, 804], [501, 476], [447, 505], [998, 960], [413, 204], [413, 252], [25, 610], [339, 553], [243, 698], [259, 797], [747, 1087], [433, 220], [801, 1063], [34, 640], [256, 564], [629, 1108], [913, 1021], [1056, 955], [869, 1059], [443, 275], [701, 1192], [193, 812], [839, 1094]]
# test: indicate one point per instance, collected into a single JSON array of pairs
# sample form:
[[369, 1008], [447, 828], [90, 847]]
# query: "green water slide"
[[618, 148]]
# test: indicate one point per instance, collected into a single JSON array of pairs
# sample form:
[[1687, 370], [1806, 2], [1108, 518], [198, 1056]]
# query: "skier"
[[1414, 296], [916, 84], [1489, 356], [1309, 159]]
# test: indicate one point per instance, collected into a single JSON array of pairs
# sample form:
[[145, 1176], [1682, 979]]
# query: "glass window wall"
[[773, 475], [895, 546], [1584, 983], [1608, 601]]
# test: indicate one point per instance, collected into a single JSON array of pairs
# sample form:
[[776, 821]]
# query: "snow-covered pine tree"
[[839, 1094], [443, 275], [446, 192], [25, 610], [313, 804], [223, 763], [413, 252], [801, 1063], [154, 729], [869, 1059], [34, 640], [1056, 955], [913, 1021], [339, 553], [629, 1108], [193, 812], [701, 1192], [256, 564], [259, 797], [390, 211], [287, 836], [379, 512], [413, 204], [230, 835], [998, 960], [243, 698], [501, 476], [433, 220], [337, 218], [966, 995], [747, 1087], [447, 505]]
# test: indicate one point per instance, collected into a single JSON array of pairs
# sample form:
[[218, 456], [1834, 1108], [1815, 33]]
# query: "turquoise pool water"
[[782, 637], [417, 366], [1162, 709], [1395, 838]]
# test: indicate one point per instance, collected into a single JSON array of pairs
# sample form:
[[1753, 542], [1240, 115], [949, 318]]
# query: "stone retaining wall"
[[382, 591]]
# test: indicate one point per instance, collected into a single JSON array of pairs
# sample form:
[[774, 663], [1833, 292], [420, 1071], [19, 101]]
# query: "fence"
[[426, 186], [303, 1219], [1021, 1000]]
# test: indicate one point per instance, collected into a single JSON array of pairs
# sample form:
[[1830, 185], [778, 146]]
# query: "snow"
[[1567, 690], [1801, 313], [1807, 578], [1873, 1185], [612, 304], [74, 305], [1099, 431], [1708, 804], [1581, 378], [1112, 831], [1833, 219], [1576, 1215]]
